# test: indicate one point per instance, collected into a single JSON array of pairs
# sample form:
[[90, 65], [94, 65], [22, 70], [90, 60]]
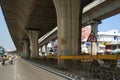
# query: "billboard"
[[85, 32]]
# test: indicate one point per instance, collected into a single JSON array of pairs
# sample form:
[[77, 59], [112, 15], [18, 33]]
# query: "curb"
[[66, 75], [57, 72]]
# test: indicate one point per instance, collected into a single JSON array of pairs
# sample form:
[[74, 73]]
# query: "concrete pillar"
[[46, 49], [52, 44], [33, 36], [68, 21], [26, 48], [43, 50], [23, 50], [40, 51], [94, 26], [20, 53]]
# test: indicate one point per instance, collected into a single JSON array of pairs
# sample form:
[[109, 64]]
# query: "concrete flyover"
[[27, 15], [37, 15], [93, 11], [29, 20]]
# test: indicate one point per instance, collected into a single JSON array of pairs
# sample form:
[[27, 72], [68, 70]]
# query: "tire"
[[3, 63]]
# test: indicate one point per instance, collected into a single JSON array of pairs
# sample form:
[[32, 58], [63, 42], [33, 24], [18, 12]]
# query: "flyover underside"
[[41, 16], [29, 14], [99, 12], [102, 11], [16, 16]]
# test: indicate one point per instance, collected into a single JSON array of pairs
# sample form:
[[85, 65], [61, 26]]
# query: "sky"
[[7, 43], [5, 38], [110, 24]]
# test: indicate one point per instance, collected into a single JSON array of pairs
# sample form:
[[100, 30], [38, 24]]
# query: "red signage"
[[92, 37]]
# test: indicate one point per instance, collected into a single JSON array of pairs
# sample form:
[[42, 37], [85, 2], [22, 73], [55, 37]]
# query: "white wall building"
[[109, 36], [105, 38]]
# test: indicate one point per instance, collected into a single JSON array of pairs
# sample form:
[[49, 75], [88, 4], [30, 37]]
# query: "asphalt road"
[[23, 70]]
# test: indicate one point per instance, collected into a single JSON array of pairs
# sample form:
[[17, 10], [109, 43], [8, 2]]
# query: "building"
[[109, 39], [103, 38], [109, 36]]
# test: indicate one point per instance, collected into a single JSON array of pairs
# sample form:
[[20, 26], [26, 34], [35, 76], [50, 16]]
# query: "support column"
[[26, 48], [52, 44], [46, 49], [43, 50], [94, 26], [69, 28], [23, 50], [20, 53], [69, 23], [33, 36], [40, 51]]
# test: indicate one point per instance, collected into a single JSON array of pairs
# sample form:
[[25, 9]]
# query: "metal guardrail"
[[87, 57], [82, 57], [81, 66]]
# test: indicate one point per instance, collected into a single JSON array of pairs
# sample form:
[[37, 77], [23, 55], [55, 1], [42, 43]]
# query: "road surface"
[[23, 70]]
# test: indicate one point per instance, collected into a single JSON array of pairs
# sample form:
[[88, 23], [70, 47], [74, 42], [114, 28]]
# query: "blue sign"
[[87, 44]]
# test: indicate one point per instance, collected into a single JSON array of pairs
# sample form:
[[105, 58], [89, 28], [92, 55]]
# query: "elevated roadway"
[[31, 19], [39, 15], [97, 10]]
